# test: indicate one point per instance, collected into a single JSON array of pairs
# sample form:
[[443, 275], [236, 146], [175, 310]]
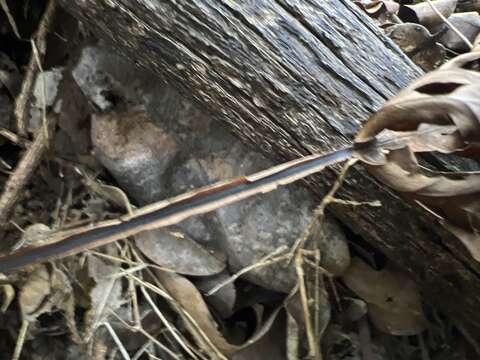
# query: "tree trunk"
[[293, 77]]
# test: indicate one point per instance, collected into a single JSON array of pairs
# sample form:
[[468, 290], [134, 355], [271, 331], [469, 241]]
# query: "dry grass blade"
[[312, 324], [117, 341], [38, 61], [313, 344], [320, 210], [127, 261], [293, 338], [269, 259], [20, 340], [167, 324], [450, 25], [148, 336], [182, 312], [14, 138], [10, 18], [99, 311]]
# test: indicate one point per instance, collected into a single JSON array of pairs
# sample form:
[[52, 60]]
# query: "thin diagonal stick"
[[32, 68], [450, 25]]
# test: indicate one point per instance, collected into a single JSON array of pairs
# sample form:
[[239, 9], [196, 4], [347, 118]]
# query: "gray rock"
[[100, 74], [173, 249], [334, 253], [181, 148], [135, 151], [222, 300]]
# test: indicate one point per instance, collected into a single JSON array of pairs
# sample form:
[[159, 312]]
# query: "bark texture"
[[293, 77]]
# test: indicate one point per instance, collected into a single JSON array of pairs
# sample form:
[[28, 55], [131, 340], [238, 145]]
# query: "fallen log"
[[292, 78]]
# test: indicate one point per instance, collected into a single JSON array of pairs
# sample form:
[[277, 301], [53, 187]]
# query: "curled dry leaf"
[[105, 293], [175, 250], [34, 292], [468, 24], [222, 300], [354, 309], [377, 8], [424, 14], [476, 44], [109, 192], [270, 347], [443, 109], [8, 293], [393, 300], [418, 43], [203, 327]]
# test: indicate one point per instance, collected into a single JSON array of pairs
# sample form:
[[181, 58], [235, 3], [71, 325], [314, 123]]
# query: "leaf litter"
[[102, 294], [430, 32]]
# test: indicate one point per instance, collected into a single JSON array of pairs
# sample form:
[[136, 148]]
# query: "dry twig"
[[313, 345], [313, 330], [272, 258], [11, 20], [14, 138], [320, 210], [22, 173], [147, 335], [20, 340], [450, 25], [117, 340], [32, 68]]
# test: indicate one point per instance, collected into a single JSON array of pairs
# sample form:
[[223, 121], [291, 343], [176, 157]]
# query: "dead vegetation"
[[129, 280]]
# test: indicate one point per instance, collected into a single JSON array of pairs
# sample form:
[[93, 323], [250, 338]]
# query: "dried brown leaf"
[[468, 24], [443, 109], [222, 300], [8, 294], [377, 8], [354, 309], [195, 308], [418, 43], [111, 193], [106, 293], [270, 347], [43, 291], [34, 234], [34, 292], [394, 302], [423, 13]]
